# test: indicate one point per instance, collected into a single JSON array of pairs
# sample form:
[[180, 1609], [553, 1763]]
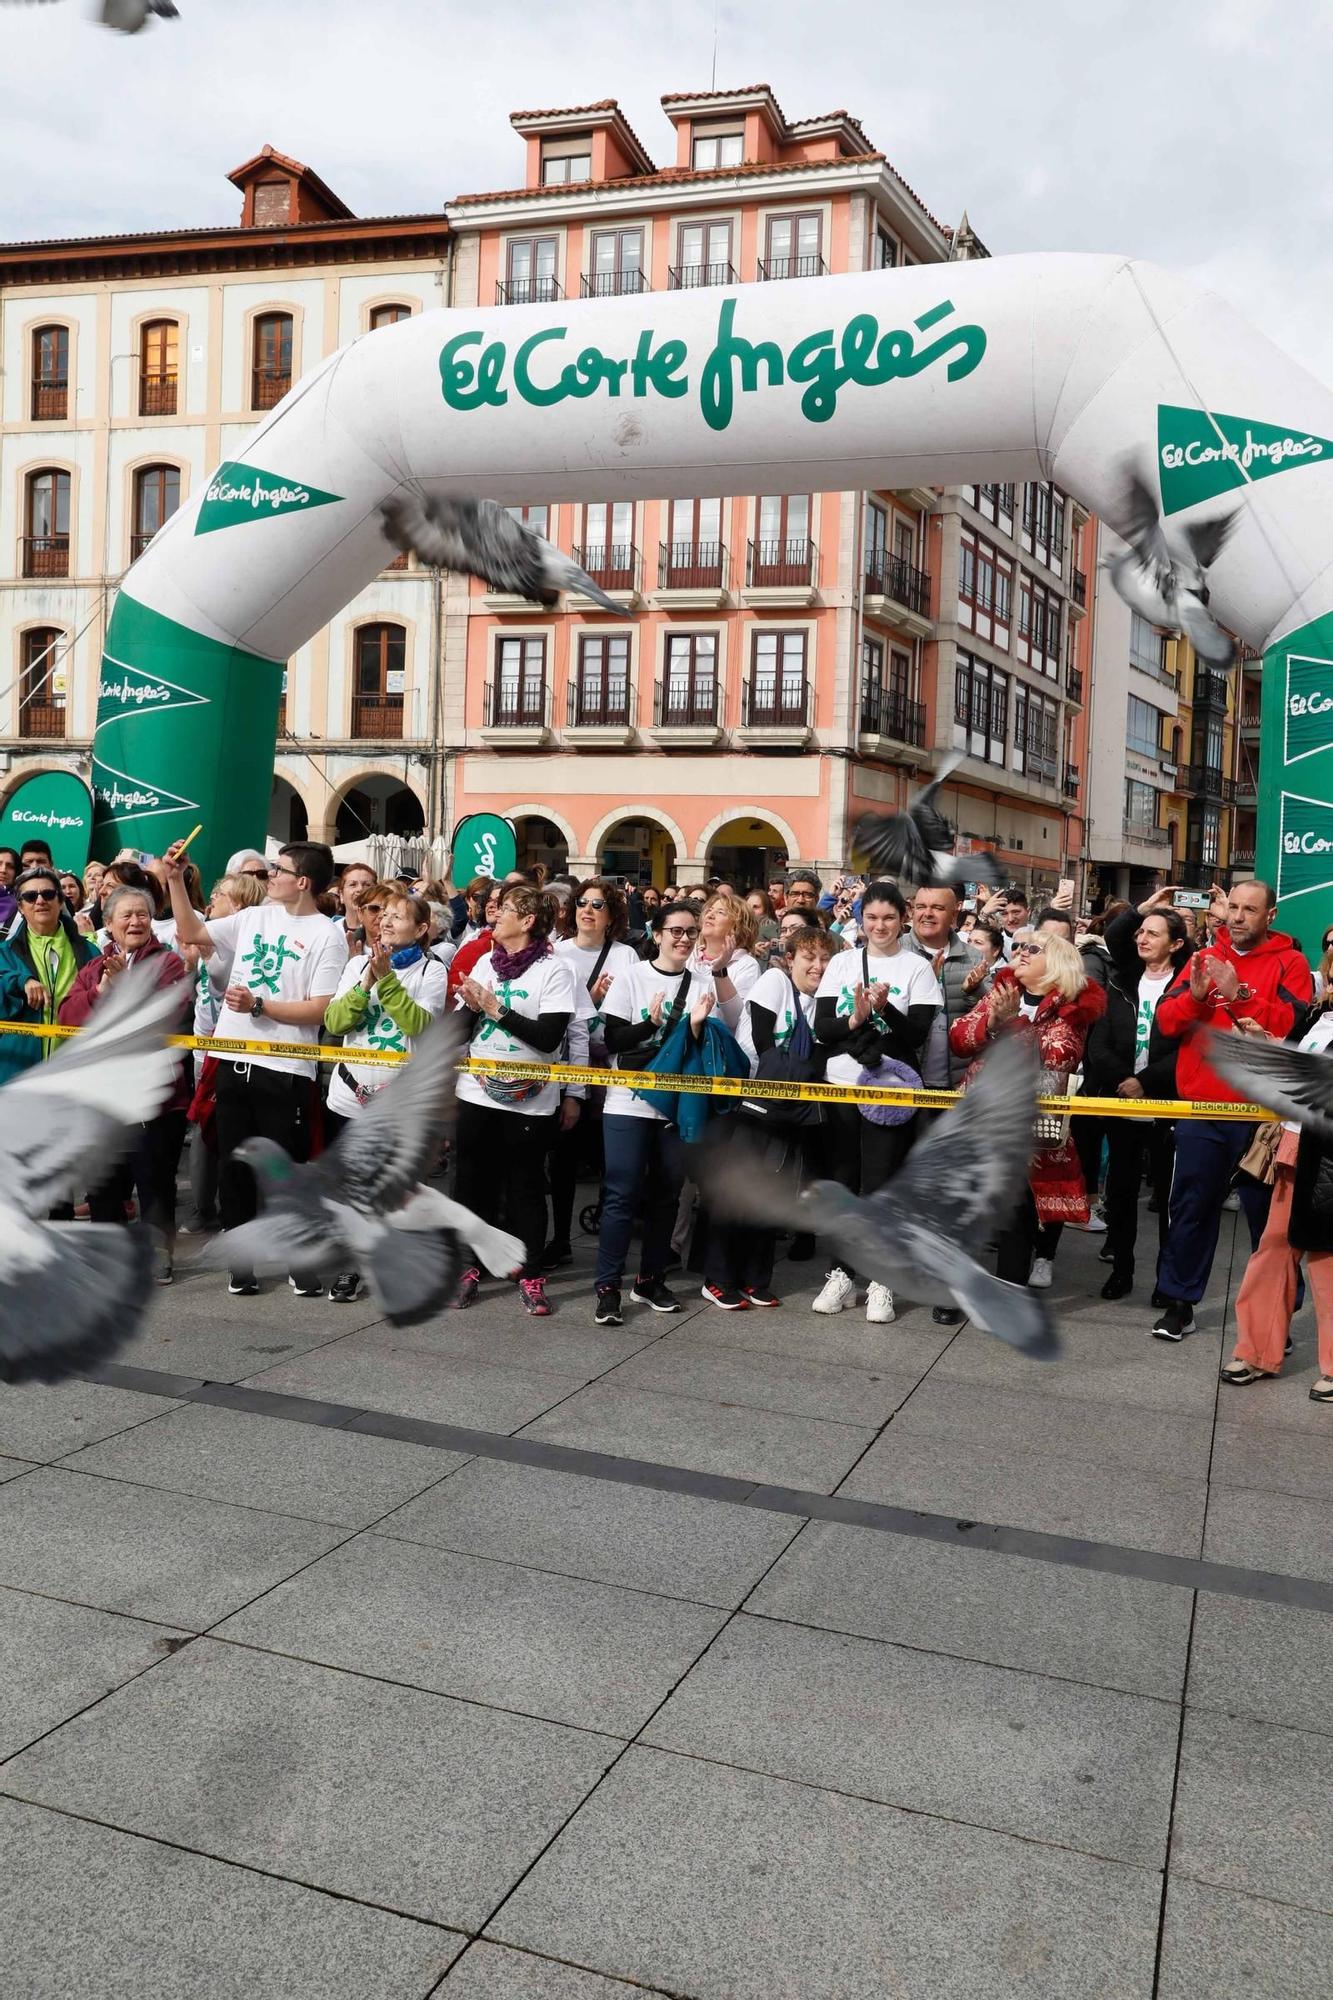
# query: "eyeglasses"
[[674, 931], [589, 903], [279, 870], [39, 896], [1027, 950], [375, 909], [260, 874]]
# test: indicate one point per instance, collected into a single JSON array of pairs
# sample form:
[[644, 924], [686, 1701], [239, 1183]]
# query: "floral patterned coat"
[[1060, 1030]]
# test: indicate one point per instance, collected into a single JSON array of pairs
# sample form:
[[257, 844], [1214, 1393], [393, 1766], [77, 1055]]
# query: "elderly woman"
[[150, 1170], [1047, 997], [39, 962], [728, 932]]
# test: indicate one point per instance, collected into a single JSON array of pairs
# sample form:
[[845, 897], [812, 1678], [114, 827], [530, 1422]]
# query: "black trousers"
[[1129, 1142], [254, 1103], [574, 1155], [501, 1172], [148, 1172], [738, 1256], [860, 1154], [1025, 1238]]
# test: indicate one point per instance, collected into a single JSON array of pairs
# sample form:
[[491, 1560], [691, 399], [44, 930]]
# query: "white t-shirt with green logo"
[[630, 999], [774, 992], [1151, 988], [910, 980], [283, 957], [546, 987], [426, 982]]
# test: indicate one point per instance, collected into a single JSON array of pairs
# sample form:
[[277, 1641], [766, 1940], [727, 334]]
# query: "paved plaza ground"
[[742, 1656]]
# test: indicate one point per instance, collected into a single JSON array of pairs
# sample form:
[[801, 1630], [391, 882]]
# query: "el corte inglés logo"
[[1308, 707], [238, 492], [1305, 845], [1201, 453], [137, 798], [125, 688], [543, 374]]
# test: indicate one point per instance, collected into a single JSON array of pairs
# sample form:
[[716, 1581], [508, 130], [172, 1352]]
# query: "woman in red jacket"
[[1047, 997], [150, 1169]]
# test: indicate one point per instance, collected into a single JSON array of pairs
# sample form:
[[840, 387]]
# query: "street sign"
[[484, 844], [54, 806]]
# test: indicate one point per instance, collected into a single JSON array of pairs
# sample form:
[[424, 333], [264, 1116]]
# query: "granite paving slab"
[[1162, 1442], [11, 1468], [1268, 1459], [551, 1646], [376, 1372], [1098, 1363], [1266, 1661], [56, 1658], [1226, 1946], [682, 1366], [1283, 1532], [46, 1422], [1254, 1809], [494, 1972], [201, 1337], [911, 1343]]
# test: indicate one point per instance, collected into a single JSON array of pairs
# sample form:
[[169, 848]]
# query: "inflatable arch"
[[1013, 368]]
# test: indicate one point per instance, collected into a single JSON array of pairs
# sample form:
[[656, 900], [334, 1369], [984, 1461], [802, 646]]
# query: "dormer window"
[[273, 203], [713, 147], [565, 160]]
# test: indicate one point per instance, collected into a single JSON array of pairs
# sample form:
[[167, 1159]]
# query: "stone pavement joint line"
[[1185, 1572]]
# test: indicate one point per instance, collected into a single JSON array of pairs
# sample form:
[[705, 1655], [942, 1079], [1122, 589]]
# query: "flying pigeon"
[[361, 1205], [481, 539], [1165, 586], [128, 16], [1296, 1083], [958, 1186], [919, 842], [71, 1293]]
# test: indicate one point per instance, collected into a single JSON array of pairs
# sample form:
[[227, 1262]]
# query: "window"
[[388, 316], [793, 247], [777, 690], [50, 373], [1202, 835], [884, 252], [889, 706], [1040, 616], [1140, 808], [985, 589], [42, 684], [272, 376], [1143, 729], [997, 504], [381, 676], [716, 149], [530, 265], [538, 518], [693, 558], [600, 696], [46, 524], [1044, 522], [157, 495], [1147, 647], [519, 695], [981, 708], [783, 552], [616, 264], [1036, 734], [690, 692], [608, 553], [272, 203], [158, 368], [703, 255], [566, 160]]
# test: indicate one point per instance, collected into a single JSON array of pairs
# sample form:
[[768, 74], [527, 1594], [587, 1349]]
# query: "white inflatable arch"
[[1015, 368]]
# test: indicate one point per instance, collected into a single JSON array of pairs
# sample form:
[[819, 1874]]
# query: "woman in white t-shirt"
[[595, 953], [875, 1000], [728, 932], [522, 999], [230, 894]]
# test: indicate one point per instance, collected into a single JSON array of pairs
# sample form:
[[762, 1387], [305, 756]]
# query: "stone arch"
[[637, 809], [742, 811]]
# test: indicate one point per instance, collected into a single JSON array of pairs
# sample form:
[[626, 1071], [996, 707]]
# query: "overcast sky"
[[1191, 131]]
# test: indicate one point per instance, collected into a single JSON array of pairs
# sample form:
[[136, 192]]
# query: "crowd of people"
[[855, 982]]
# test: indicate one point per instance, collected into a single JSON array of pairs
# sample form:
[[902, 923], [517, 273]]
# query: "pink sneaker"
[[535, 1301], [468, 1287]]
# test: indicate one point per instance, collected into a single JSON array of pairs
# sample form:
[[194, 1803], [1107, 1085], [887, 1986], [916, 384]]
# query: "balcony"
[[45, 555], [686, 277], [691, 576], [377, 718], [1210, 689], [398, 562], [896, 590], [792, 267], [50, 399], [1078, 589], [1149, 836], [1074, 684], [268, 386], [781, 572], [1206, 783], [41, 717], [1073, 783], [775, 713], [1242, 857], [157, 395], [528, 292], [1250, 723], [139, 542], [518, 714], [889, 720], [612, 284], [616, 566], [600, 712], [687, 713]]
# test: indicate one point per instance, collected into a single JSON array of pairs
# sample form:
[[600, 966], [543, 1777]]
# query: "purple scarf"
[[513, 964]]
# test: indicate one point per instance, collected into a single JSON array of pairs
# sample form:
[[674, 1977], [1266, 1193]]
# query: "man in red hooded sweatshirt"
[[1249, 973]]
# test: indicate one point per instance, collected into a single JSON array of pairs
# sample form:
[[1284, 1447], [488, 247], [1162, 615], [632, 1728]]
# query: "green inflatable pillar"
[[1294, 850]]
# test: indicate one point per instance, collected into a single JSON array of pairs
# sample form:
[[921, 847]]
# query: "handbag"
[[1050, 1129], [795, 1061], [1259, 1159]]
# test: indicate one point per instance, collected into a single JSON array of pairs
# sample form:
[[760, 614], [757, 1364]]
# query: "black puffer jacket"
[[1311, 1223], [1109, 1056]]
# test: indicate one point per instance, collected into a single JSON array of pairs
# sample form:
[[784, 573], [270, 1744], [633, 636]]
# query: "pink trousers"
[[1267, 1296]]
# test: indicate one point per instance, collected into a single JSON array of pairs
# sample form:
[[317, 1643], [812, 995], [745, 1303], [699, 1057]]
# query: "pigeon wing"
[[930, 822], [1142, 523], [1293, 1082], [970, 1169], [1207, 539], [382, 1153], [71, 1293], [66, 1122], [1210, 642], [892, 841], [481, 538]]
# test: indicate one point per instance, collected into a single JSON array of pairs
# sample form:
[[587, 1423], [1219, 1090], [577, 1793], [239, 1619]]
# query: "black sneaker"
[[1119, 1285], [1287, 1349], [307, 1287], [243, 1285], [608, 1307], [652, 1292], [346, 1288], [1106, 1255], [802, 1248], [555, 1255], [1174, 1321], [717, 1295], [946, 1316]]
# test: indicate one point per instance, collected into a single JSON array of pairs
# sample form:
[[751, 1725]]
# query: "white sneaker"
[[838, 1292], [1094, 1226], [1042, 1274], [879, 1306]]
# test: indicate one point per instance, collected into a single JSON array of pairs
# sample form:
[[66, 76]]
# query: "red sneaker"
[[468, 1287], [533, 1293], [759, 1297]]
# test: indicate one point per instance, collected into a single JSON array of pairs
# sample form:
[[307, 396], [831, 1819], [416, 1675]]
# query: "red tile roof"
[[567, 110], [746, 90], [668, 177]]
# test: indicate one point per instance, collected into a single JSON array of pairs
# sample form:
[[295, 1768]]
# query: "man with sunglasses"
[[39, 962], [281, 962], [644, 1154]]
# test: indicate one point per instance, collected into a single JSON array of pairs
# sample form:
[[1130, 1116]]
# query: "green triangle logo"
[[126, 690], [1305, 845], [1201, 453], [134, 798], [238, 492]]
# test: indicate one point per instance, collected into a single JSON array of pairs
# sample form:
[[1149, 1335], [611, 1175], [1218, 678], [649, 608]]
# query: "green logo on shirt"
[[506, 995], [266, 962]]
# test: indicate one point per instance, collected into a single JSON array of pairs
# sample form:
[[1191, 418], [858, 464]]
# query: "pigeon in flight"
[[1296, 1083], [128, 16], [481, 539], [362, 1206], [958, 1186], [919, 842], [71, 1293], [1166, 586]]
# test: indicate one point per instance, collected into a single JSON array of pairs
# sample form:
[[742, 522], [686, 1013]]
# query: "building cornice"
[[168, 253]]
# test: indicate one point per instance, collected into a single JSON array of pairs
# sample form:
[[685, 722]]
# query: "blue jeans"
[[1207, 1151], [644, 1164]]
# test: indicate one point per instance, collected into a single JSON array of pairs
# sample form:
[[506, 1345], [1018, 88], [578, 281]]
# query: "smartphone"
[[1066, 888]]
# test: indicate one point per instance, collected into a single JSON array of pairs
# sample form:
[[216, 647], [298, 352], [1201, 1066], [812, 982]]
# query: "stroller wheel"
[[590, 1218]]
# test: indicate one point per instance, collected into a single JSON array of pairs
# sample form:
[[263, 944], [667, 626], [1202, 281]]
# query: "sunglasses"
[[674, 931], [1028, 950], [589, 903], [40, 896], [260, 874], [375, 909]]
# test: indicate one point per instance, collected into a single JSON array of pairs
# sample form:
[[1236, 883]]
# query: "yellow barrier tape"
[[705, 1086]]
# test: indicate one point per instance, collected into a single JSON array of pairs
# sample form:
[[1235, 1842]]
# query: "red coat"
[[466, 958], [1280, 982], [1060, 1029], [83, 996]]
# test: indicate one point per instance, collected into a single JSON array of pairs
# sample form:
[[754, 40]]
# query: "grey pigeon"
[[481, 539], [1296, 1083], [362, 1206], [128, 16], [1168, 586], [957, 1188], [918, 843], [71, 1293]]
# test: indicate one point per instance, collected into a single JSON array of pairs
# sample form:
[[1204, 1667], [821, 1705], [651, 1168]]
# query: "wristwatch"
[[256, 1006]]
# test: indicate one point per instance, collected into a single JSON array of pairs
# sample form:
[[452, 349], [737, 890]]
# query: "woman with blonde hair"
[[728, 932], [1046, 996]]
